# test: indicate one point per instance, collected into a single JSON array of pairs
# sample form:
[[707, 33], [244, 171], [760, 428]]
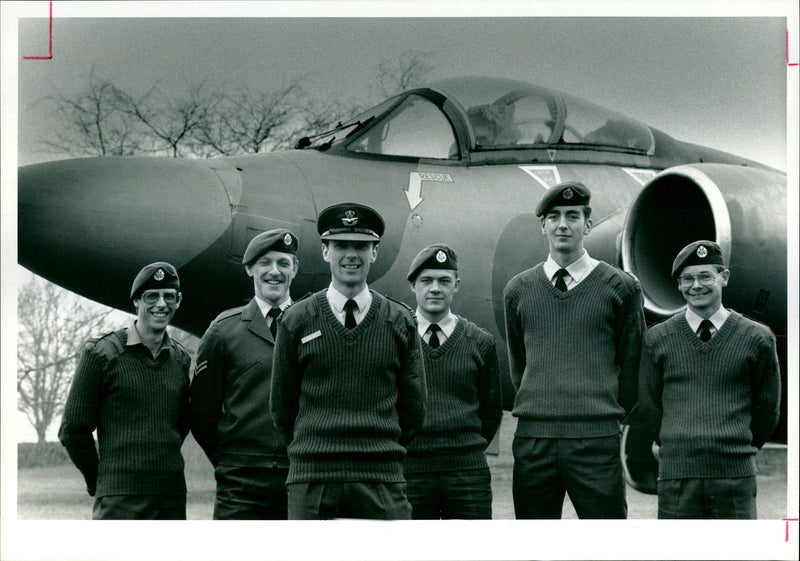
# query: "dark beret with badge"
[[570, 193], [702, 252], [156, 276], [436, 256], [350, 222], [272, 240]]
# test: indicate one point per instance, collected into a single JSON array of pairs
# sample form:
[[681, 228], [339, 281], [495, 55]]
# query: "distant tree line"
[[207, 119]]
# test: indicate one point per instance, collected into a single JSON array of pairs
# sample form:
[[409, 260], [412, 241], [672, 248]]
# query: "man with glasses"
[[710, 386], [132, 387], [231, 385], [574, 327]]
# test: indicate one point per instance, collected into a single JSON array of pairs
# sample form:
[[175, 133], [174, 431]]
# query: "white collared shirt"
[[717, 319], [576, 271], [337, 300], [265, 307], [447, 325]]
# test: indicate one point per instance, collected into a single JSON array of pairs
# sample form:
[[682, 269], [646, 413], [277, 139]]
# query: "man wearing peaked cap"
[[348, 385], [574, 326], [446, 468], [231, 385], [350, 221], [708, 362], [140, 373]]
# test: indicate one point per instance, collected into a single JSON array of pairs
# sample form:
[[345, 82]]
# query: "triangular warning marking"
[[552, 154], [546, 176]]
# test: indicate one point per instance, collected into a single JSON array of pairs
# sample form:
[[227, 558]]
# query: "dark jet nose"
[[95, 222]]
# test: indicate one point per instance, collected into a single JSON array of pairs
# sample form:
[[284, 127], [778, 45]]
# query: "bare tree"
[[403, 72], [170, 122], [53, 324], [91, 124]]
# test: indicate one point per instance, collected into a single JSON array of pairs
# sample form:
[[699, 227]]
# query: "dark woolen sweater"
[[140, 408], [464, 402], [347, 401], [716, 403], [574, 355]]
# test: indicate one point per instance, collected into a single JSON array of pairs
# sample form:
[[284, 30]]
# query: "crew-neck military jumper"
[[464, 402], [715, 403], [140, 408], [573, 355], [347, 401]]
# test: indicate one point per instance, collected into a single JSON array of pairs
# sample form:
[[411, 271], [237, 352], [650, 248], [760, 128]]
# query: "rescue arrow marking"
[[415, 179], [547, 176]]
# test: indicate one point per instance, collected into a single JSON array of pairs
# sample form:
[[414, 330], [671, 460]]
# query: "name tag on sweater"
[[311, 337]]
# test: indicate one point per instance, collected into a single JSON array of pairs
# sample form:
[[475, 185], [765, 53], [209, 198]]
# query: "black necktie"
[[433, 340], [273, 327], [349, 317], [704, 331], [560, 283]]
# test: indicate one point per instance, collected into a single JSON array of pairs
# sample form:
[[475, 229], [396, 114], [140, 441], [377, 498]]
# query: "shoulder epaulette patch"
[[229, 313]]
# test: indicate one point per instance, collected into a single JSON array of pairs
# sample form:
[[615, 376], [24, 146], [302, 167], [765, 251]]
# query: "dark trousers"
[[250, 493], [725, 498], [589, 469], [349, 499], [464, 494], [140, 507]]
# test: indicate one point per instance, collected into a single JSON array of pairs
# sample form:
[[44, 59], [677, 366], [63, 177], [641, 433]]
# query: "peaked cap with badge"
[[272, 240], [156, 276], [701, 252], [350, 222], [436, 256], [570, 193]]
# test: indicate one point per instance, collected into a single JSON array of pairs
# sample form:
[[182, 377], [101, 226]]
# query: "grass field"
[[57, 492]]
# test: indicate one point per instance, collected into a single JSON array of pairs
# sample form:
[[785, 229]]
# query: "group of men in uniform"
[[346, 404]]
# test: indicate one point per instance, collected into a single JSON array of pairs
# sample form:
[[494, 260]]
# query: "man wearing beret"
[[710, 386], [231, 385], [574, 327], [446, 468], [132, 387], [348, 385]]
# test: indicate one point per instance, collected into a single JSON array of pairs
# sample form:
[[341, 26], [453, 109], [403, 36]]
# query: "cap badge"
[[702, 252], [350, 218], [440, 256], [287, 239], [159, 275], [567, 193]]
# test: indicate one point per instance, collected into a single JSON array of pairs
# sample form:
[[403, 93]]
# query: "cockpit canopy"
[[453, 118]]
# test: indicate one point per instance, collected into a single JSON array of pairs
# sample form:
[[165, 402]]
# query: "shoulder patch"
[[110, 345], [404, 306], [229, 313]]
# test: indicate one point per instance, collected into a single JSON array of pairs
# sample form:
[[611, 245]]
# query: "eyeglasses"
[[152, 296], [705, 279]]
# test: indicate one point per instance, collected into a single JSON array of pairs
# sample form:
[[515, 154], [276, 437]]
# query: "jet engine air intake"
[[677, 207]]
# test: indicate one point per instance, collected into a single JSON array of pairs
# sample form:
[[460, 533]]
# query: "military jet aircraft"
[[462, 161]]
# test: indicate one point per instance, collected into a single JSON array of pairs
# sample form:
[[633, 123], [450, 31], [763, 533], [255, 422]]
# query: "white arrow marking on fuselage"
[[415, 179]]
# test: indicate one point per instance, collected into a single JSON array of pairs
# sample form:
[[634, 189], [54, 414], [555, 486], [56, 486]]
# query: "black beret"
[[571, 193], [436, 256], [702, 252], [350, 221], [155, 276], [272, 240]]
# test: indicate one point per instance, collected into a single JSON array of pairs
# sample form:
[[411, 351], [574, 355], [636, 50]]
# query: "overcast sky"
[[713, 81]]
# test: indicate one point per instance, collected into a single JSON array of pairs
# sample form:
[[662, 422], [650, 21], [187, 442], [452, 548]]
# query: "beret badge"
[[440, 256], [287, 239], [159, 275], [567, 193], [350, 218], [702, 251]]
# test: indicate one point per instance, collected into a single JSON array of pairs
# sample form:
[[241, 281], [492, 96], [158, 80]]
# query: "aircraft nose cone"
[[97, 221]]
